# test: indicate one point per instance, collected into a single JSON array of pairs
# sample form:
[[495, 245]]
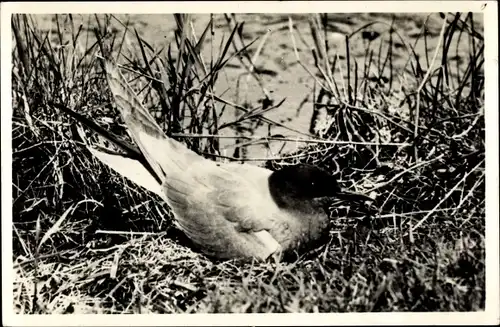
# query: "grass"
[[406, 128]]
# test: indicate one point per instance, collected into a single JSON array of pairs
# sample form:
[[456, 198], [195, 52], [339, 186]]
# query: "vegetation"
[[405, 128]]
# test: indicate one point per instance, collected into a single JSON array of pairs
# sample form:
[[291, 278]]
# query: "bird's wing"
[[210, 202], [129, 162], [163, 154], [130, 168], [222, 212]]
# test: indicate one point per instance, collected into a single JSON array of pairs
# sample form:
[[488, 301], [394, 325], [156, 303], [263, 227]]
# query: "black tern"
[[229, 210]]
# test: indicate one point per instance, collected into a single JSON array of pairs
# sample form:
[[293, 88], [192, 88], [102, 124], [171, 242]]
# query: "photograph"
[[206, 165]]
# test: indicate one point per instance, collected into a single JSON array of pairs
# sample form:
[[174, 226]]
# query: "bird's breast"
[[294, 226], [299, 228]]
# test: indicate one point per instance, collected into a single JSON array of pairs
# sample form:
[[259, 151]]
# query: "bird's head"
[[307, 182]]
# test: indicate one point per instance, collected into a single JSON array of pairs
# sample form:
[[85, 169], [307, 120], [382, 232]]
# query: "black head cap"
[[302, 182]]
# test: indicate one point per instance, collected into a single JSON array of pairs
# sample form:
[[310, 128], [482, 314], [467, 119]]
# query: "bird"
[[229, 210]]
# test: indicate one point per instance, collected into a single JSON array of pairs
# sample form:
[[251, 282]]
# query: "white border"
[[489, 316], [198, 7]]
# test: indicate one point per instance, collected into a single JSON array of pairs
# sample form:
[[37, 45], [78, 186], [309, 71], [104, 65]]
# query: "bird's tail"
[[129, 162], [164, 155]]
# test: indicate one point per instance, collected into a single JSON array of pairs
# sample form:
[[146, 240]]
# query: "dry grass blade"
[[21, 47], [250, 65], [416, 116], [447, 195], [55, 228], [296, 52]]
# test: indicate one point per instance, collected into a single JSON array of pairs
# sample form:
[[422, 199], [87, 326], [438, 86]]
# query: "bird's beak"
[[351, 196]]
